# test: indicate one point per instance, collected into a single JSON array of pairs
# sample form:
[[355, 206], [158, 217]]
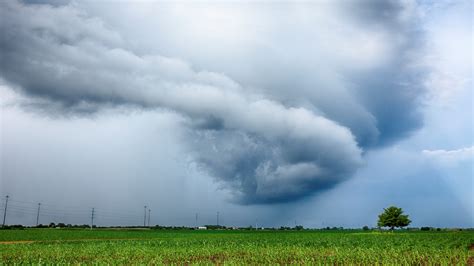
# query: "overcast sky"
[[319, 113]]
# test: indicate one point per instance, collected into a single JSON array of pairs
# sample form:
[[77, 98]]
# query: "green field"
[[235, 247]]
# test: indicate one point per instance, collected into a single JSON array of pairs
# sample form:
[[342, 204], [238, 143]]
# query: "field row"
[[230, 247]]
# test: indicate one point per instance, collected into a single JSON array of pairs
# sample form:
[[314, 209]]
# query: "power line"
[[149, 211], [5, 211], [44, 211], [59, 213], [48, 204], [61, 216], [63, 208], [133, 214], [34, 210], [92, 219], [38, 215], [45, 208], [144, 218], [60, 208]]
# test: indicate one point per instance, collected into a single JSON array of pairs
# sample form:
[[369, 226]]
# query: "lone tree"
[[393, 217]]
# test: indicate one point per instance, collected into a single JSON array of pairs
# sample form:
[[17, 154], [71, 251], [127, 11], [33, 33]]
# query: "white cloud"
[[449, 51], [450, 156]]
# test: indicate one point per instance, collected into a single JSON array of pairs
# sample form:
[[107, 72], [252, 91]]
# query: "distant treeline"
[[220, 227]]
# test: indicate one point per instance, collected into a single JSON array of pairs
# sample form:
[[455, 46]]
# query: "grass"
[[234, 247]]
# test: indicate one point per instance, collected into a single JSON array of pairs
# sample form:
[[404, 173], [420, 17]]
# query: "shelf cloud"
[[272, 118]]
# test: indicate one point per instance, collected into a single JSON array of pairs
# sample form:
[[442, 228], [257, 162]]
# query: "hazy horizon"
[[318, 113]]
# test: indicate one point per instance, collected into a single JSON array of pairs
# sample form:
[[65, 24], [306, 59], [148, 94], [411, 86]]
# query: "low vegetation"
[[122, 246]]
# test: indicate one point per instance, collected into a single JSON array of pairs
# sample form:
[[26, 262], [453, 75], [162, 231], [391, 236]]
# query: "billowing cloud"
[[297, 126]]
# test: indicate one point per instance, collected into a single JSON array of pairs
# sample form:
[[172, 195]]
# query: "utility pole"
[[144, 217], [38, 214], [92, 219], [217, 218], [256, 224], [196, 223], [5, 211], [149, 217]]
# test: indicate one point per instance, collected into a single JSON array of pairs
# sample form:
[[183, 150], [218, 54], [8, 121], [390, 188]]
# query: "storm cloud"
[[289, 116]]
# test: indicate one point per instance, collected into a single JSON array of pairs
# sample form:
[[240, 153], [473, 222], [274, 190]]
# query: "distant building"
[[202, 228]]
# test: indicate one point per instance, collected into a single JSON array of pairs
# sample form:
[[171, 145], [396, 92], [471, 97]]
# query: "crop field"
[[235, 247]]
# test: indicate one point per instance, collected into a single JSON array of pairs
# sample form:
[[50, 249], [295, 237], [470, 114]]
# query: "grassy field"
[[234, 247]]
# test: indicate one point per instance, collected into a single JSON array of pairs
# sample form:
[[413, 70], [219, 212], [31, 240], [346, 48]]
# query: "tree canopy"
[[393, 217]]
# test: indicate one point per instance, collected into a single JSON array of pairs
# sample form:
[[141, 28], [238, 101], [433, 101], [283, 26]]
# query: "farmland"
[[234, 247]]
